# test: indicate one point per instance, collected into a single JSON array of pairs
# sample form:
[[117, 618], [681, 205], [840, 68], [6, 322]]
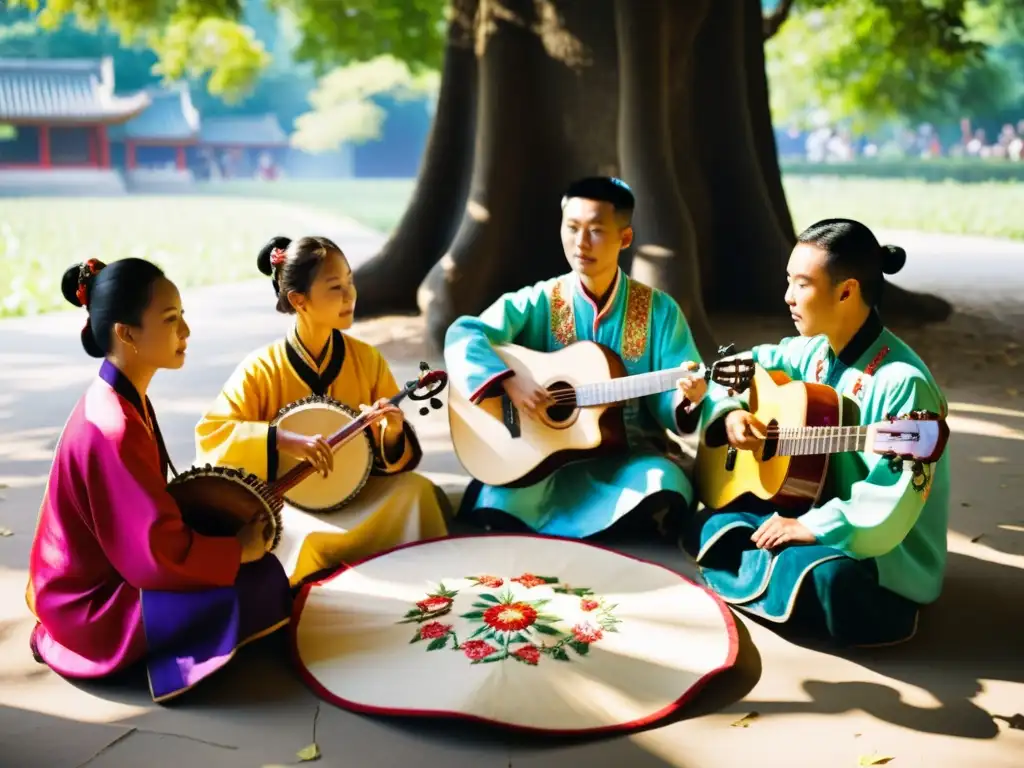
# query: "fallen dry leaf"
[[964, 504], [6, 532], [874, 760], [309, 753], [977, 538], [746, 720]]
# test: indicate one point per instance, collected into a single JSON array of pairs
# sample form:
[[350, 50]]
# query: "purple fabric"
[[190, 635]]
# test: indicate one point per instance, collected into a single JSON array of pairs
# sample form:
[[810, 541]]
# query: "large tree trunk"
[[670, 96]]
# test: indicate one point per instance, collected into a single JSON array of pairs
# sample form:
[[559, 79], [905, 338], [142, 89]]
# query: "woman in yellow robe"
[[313, 281]]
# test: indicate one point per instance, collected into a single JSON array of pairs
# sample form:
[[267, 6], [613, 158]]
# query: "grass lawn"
[[214, 236]]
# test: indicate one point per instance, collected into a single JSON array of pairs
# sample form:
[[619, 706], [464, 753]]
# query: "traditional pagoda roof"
[[243, 131], [57, 91], [170, 117]]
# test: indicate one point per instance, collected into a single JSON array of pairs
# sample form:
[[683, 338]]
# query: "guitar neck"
[[806, 441], [630, 387]]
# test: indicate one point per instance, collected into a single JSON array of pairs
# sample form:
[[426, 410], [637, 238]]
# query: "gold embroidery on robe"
[[634, 331], [563, 318]]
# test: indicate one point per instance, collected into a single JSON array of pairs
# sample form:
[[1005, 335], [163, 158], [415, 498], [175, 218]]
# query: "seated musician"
[[313, 281], [115, 574], [596, 302], [854, 568]]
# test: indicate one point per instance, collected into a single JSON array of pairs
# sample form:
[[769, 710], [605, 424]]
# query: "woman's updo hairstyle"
[[293, 265], [854, 252], [118, 293]]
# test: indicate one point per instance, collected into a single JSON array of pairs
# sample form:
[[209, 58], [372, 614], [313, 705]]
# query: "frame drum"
[[352, 461]]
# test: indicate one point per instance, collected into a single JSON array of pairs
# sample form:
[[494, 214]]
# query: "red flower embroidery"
[[586, 604], [510, 618], [434, 603], [491, 582], [527, 653], [477, 649], [434, 630], [529, 581], [585, 633]]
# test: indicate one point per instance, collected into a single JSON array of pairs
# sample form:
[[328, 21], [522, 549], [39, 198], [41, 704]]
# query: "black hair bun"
[[893, 259], [89, 343], [263, 260], [69, 281]]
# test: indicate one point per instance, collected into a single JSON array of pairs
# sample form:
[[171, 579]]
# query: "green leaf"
[[495, 657], [488, 597], [538, 603], [413, 612], [438, 643], [559, 654], [479, 631], [581, 648], [582, 591], [416, 638], [472, 615], [309, 753], [548, 617], [520, 638], [544, 629], [549, 579]]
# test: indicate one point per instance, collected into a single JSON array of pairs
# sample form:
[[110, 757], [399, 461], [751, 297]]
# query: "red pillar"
[[129, 155], [44, 146], [104, 144], [90, 140], [180, 158]]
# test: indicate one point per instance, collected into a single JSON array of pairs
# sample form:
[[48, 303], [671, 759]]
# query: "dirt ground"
[[952, 697]]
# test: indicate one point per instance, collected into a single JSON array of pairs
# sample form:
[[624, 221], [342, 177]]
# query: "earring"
[[135, 349]]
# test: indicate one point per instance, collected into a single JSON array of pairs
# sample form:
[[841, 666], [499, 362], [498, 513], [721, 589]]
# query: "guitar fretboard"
[[630, 387], [805, 441]]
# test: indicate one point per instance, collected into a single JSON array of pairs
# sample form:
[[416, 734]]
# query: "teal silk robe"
[[647, 329], [875, 511]]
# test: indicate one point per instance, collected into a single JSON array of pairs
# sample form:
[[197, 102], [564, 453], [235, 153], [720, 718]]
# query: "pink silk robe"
[[109, 536]]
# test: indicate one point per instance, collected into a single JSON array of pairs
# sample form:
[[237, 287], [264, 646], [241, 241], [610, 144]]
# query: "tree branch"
[[777, 18]]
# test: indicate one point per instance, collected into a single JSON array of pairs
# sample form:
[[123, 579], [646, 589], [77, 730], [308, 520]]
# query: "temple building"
[[56, 117]]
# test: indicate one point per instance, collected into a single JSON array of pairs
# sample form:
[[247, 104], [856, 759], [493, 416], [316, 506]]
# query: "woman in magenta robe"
[[115, 574]]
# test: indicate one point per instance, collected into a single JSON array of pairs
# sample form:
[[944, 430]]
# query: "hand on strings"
[[254, 536], [744, 430], [527, 395], [693, 387], [311, 448], [777, 531], [386, 412]]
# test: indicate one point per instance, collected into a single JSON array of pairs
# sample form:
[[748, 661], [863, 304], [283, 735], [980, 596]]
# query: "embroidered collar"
[[862, 340], [120, 383], [614, 292], [318, 377]]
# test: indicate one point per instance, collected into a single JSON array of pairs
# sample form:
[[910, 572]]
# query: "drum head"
[[529, 632], [352, 462]]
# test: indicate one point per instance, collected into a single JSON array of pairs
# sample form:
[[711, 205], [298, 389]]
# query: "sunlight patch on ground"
[[967, 426], [961, 544], [988, 410]]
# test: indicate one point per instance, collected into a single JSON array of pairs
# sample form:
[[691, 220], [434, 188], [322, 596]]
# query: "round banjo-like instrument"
[[219, 501]]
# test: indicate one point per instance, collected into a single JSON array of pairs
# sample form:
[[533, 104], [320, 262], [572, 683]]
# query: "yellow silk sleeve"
[[232, 432], [385, 385]]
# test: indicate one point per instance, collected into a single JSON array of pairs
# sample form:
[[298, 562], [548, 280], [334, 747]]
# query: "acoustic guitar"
[[588, 385], [804, 429]]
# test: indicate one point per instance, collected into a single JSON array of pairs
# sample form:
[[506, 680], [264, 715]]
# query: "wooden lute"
[[588, 384], [219, 501], [804, 429]]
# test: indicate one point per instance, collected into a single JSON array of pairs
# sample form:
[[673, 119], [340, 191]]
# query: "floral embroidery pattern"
[[511, 627], [858, 385], [563, 317], [634, 331]]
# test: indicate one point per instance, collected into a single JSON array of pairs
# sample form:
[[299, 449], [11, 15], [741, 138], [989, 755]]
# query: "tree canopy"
[[866, 60]]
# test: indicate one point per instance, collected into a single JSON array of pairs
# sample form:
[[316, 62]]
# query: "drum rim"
[[330, 402], [728, 619], [271, 503]]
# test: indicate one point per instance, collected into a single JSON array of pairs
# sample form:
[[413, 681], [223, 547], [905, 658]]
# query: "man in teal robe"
[[856, 566], [596, 302]]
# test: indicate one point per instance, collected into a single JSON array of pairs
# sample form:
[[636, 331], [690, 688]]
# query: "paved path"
[[929, 705]]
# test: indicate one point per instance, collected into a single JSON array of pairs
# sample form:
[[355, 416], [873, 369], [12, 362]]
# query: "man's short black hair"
[[605, 189]]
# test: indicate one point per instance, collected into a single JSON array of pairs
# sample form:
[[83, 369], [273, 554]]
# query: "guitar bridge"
[[510, 416]]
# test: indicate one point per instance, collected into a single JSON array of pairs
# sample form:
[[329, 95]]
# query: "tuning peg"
[[424, 411], [424, 366], [435, 403]]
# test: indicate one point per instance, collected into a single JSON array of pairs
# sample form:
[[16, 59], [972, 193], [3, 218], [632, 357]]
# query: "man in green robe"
[[855, 567], [595, 302]]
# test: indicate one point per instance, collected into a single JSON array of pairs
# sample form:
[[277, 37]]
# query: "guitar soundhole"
[[564, 409]]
